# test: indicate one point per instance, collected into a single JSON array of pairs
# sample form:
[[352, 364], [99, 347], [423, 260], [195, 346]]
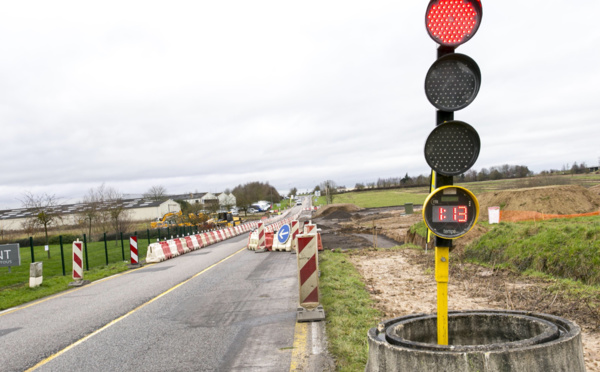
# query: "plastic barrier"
[[203, 240], [252, 241], [173, 248], [211, 237], [195, 242], [164, 245], [179, 245], [269, 240], [155, 254]]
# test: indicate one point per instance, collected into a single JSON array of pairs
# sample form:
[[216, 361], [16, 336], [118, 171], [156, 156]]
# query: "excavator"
[[169, 219], [225, 219]]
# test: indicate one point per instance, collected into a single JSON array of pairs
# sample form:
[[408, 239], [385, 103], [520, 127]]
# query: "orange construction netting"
[[515, 216]]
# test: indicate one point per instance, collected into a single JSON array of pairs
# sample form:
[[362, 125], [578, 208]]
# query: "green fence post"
[[105, 249], [148, 232], [62, 257], [87, 263], [31, 244], [168, 232], [159, 234], [122, 247]]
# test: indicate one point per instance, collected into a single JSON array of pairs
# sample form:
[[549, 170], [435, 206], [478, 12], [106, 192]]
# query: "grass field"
[[377, 198], [53, 266], [417, 195]]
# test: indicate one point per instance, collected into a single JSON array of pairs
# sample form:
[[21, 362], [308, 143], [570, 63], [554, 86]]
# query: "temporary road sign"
[[283, 234]]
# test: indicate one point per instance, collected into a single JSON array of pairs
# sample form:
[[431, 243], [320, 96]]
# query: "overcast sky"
[[206, 95]]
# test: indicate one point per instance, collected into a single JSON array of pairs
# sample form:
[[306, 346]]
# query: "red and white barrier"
[[261, 246], [308, 278], [295, 227], [77, 260], [133, 248]]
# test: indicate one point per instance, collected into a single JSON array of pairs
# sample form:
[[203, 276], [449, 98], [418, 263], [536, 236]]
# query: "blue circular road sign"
[[283, 234]]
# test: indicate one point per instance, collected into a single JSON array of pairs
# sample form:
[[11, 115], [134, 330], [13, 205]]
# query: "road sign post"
[[10, 255]]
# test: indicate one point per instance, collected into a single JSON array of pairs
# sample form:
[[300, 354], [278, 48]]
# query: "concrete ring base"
[[483, 341]]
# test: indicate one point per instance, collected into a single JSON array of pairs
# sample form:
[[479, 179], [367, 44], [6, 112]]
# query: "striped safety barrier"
[[133, 248], [261, 246], [308, 278], [77, 260]]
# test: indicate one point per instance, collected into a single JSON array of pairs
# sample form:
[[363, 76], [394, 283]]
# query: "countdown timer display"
[[450, 211]]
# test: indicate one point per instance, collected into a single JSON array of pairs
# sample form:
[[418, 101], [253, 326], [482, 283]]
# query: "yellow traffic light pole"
[[442, 256]]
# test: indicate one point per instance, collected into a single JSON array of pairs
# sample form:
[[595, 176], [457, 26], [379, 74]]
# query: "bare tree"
[[115, 212], [156, 193], [329, 189], [92, 208], [45, 210]]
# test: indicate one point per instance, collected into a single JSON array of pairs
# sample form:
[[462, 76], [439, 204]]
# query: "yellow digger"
[[226, 219], [169, 219]]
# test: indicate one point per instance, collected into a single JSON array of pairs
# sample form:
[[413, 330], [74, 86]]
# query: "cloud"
[[208, 95]]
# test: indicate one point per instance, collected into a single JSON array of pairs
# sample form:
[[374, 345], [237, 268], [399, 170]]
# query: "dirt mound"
[[339, 215], [564, 199], [595, 189], [332, 208]]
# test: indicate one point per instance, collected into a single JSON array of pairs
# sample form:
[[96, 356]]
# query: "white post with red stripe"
[[295, 225], [78, 260], [308, 279], [261, 246], [133, 248]]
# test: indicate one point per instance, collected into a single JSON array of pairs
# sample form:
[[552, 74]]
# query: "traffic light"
[[451, 84]]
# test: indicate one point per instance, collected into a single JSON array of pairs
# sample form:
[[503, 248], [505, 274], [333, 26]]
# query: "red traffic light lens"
[[453, 22]]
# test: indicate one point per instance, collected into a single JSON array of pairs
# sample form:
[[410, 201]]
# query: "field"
[[416, 195]]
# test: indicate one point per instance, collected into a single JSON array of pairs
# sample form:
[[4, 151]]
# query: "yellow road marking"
[[300, 350], [128, 314]]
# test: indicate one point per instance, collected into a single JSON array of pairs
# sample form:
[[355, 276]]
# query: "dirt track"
[[402, 281]]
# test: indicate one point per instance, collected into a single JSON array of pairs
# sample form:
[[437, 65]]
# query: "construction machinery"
[[226, 219], [168, 220]]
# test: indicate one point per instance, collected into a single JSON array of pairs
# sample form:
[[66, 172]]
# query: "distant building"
[[140, 210]]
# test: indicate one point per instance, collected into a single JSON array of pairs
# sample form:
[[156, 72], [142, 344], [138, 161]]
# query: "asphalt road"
[[220, 308]]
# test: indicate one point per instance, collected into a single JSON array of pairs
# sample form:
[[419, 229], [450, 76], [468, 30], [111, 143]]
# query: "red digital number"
[[442, 214], [460, 213]]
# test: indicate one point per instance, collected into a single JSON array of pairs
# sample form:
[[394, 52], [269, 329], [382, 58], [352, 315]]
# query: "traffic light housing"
[[451, 84]]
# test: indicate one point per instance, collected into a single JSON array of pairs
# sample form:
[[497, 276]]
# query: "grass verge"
[[563, 248], [19, 294], [349, 308]]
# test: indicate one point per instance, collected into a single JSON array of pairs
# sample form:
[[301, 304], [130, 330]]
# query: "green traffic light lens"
[[452, 148]]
